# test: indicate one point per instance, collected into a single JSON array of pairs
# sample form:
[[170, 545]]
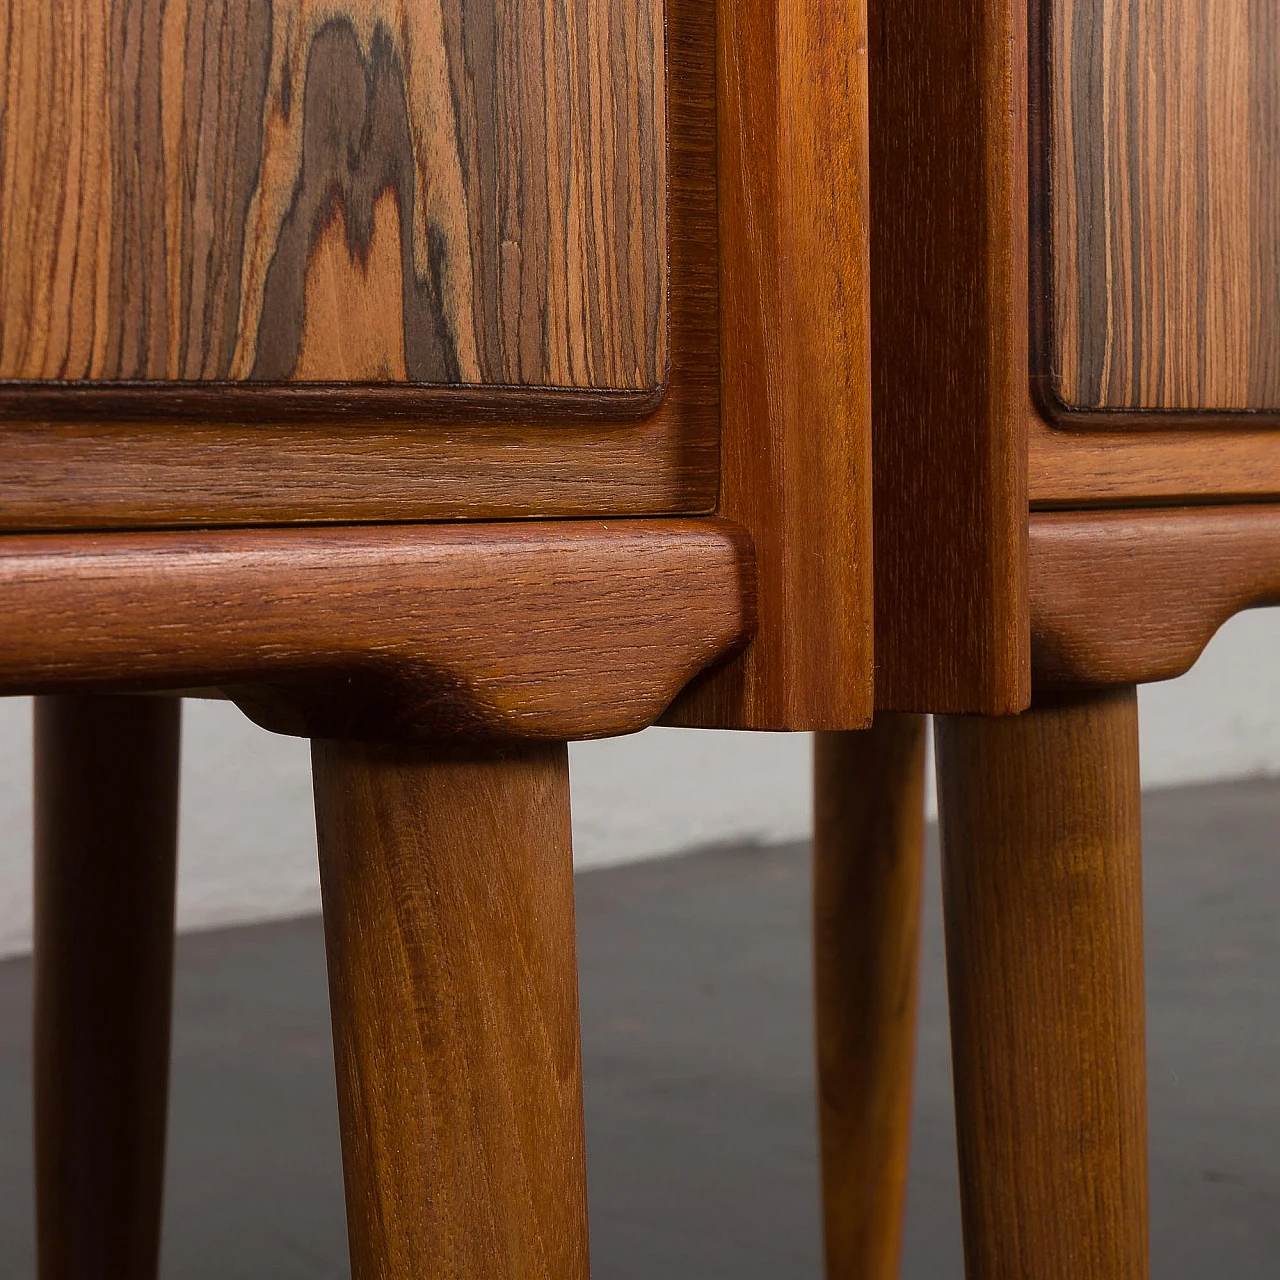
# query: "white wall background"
[[248, 846]]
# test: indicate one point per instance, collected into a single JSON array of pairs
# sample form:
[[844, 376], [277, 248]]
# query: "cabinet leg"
[[106, 819], [868, 850], [447, 879], [1042, 889]]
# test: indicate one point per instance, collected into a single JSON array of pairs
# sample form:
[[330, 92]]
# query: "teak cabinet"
[[440, 380], [1076, 435]]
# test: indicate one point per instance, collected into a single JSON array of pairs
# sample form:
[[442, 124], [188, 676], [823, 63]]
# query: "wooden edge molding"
[[1129, 597], [795, 360], [546, 630], [1055, 412], [305, 402], [1120, 468]]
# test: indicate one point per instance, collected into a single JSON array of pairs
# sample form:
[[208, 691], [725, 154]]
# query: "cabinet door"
[[1155, 249], [269, 258]]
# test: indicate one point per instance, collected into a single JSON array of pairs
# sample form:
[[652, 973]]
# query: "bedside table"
[[1077, 480], [441, 383]]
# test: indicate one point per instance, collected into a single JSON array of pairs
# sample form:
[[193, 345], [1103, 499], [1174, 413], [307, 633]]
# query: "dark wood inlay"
[[443, 192], [1163, 204]]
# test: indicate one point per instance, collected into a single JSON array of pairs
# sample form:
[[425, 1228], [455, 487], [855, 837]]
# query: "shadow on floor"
[[697, 1042]]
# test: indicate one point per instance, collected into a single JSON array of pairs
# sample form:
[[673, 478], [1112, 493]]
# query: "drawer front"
[[454, 194], [1162, 187]]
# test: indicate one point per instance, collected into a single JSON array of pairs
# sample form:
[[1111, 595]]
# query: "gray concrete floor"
[[699, 1093]]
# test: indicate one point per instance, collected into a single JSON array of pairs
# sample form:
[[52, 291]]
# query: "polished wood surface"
[[537, 630], [365, 190], [1127, 597], [795, 359], [243, 454], [448, 907], [949, 337], [1164, 204], [106, 830], [1042, 892], [868, 851]]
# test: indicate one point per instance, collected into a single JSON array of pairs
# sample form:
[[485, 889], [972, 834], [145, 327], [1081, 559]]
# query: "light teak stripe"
[[1164, 179], [433, 191]]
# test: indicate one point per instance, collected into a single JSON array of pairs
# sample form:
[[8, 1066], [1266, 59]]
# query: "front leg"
[[447, 877], [1042, 891]]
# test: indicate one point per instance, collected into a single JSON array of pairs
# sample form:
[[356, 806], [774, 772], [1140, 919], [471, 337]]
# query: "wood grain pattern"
[[950, 354], [795, 360], [1163, 186], [245, 455], [868, 859], [447, 880], [334, 190], [1095, 468], [1126, 597], [1042, 893], [544, 630], [106, 836]]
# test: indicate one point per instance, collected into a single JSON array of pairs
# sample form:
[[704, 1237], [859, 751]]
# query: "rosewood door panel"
[[358, 259], [1161, 248], [367, 190]]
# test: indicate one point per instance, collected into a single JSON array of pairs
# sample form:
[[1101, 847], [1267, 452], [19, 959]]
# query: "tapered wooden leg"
[[1042, 888], [868, 849], [448, 902], [106, 821]]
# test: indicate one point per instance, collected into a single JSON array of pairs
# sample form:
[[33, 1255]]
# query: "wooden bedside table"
[[442, 383], [1077, 480]]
